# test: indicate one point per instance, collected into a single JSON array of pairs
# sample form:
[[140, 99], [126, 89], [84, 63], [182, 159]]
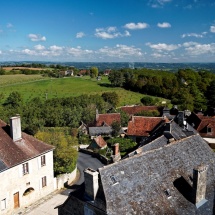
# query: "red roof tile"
[[100, 141], [108, 119], [13, 153], [141, 125], [131, 110]]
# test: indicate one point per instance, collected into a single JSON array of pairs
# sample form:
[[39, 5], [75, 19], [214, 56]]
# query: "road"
[[46, 206], [84, 161]]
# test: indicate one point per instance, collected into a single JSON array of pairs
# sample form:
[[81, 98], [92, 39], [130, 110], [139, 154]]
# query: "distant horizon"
[[157, 31]]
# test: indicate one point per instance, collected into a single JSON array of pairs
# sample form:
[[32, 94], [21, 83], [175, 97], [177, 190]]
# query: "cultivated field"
[[17, 68], [31, 86]]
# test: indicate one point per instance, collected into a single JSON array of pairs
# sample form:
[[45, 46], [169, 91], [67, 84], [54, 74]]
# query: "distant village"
[[161, 161]]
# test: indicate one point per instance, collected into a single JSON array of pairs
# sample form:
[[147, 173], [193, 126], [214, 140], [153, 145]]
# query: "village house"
[[97, 143], [140, 126], [205, 125], [171, 176], [26, 168]]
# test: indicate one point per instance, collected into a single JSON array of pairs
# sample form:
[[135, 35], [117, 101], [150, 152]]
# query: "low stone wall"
[[102, 158], [65, 179]]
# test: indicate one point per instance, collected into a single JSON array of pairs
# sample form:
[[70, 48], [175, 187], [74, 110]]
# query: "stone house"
[[107, 119], [174, 177], [26, 168]]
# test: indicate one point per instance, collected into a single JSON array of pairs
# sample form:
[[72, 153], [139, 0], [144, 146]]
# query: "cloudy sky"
[[108, 30]]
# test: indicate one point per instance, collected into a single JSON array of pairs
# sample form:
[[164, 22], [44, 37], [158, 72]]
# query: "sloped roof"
[[13, 153], [100, 141], [102, 130], [131, 110], [140, 181], [141, 125], [201, 123], [107, 118]]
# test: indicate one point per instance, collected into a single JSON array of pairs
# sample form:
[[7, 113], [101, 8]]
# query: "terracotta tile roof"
[[202, 123], [107, 119], [131, 110], [100, 141], [142, 126], [13, 153]]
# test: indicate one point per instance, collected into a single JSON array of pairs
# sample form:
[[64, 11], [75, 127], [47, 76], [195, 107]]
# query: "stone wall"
[[66, 179]]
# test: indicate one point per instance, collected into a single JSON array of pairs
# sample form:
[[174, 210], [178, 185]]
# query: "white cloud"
[[133, 26], [36, 37], [158, 3], [212, 29], [200, 49], [163, 46], [164, 25], [110, 33], [56, 48], [9, 25], [194, 35], [39, 47], [80, 35], [188, 44], [0, 52], [120, 51]]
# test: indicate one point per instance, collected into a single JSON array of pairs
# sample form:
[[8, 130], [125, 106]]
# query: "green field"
[[31, 86]]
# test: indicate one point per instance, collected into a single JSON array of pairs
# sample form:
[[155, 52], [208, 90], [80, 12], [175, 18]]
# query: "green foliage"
[[111, 97], [116, 128], [126, 145], [14, 99], [94, 72], [2, 71], [116, 78], [147, 100], [124, 118], [65, 153]]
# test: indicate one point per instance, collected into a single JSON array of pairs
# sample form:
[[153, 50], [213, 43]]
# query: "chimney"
[[15, 128], [199, 184], [167, 128], [116, 153], [91, 183], [97, 114], [180, 118], [116, 149]]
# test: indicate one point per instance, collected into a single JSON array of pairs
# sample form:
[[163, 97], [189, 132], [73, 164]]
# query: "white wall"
[[13, 181]]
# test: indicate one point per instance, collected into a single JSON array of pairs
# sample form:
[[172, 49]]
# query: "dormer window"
[[167, 192], [209, 130]]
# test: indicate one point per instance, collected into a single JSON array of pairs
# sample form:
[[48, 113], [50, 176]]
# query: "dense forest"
[[186, 88]]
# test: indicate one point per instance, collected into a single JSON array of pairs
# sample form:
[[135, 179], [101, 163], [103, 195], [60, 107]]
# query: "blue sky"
[[107, 30]]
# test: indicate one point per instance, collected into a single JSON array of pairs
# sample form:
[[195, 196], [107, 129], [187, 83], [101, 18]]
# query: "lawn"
[[31, 86]]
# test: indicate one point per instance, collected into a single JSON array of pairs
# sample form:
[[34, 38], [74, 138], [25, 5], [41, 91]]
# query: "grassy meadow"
[[30, 86]]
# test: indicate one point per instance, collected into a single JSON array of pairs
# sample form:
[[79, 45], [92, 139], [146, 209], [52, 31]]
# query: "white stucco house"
[[26, 168]]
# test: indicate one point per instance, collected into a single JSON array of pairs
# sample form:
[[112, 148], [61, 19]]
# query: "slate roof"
[[12, 153], [142, 126], [107, 119], [141, 180], [131, 110], [201, 123], [102, 130]]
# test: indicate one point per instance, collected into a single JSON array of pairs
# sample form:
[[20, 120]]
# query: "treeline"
[[186, 88], [57, 112]]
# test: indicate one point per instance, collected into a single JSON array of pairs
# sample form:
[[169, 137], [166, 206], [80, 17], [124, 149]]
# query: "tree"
[[94, 72], [14, 99], [111, 97], [65, 153], [115, 128], [210, 94], [116, 78], [147, 100]]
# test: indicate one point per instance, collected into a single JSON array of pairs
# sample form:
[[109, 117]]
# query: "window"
[[209, 130], [44, 181], [25, 168], [43, 160], [3, 204]]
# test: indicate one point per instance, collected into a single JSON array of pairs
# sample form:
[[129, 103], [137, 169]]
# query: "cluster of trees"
[[186, 88]]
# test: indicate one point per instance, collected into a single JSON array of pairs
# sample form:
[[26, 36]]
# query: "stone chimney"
[[180, 118], [116, 153], [97, 114], [91, 183], [199, 184], [15, 128]]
